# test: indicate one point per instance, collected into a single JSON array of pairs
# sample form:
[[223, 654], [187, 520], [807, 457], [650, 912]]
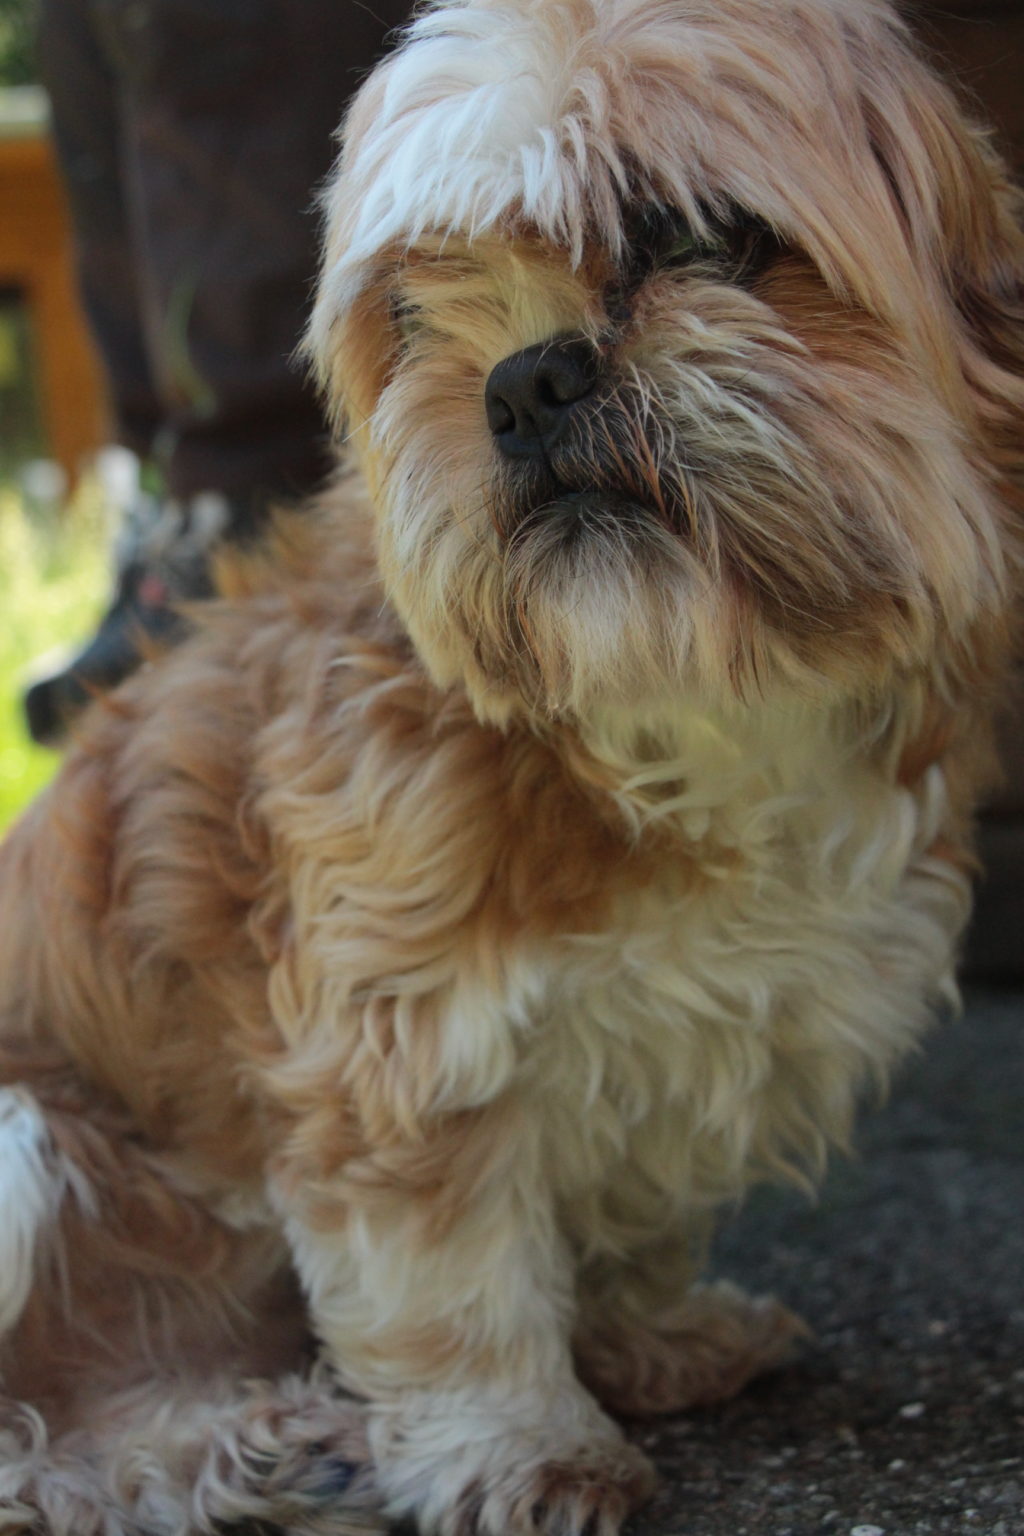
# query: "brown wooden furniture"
[[36, 258]]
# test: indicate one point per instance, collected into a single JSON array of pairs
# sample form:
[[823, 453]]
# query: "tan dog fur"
[[483, 895]]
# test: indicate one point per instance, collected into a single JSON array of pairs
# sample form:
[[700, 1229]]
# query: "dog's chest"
[[735, 1018]]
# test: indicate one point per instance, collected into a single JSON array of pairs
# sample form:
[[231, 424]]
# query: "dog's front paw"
[[591, 1493], [291, 1455], [538, 1474]]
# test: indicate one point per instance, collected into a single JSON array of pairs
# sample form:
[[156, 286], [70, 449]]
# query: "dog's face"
[[670, 335]]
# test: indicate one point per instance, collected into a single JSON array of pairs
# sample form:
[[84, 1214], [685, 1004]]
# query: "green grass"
[[53, 578], [17, 41]]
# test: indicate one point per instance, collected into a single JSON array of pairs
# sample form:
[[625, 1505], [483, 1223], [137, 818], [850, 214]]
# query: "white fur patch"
[[484, 112], [31, 1186], [474, 118]]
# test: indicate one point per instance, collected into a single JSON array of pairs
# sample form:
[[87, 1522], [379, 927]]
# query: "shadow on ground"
[[906, 1415]]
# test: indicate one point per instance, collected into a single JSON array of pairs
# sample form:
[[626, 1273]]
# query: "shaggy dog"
[[562, 829]]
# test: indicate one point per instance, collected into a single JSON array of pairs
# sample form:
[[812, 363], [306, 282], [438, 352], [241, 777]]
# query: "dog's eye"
[[663, 237], [409, 320], [738, 243], [753, 244], [732, 245], [682, 246]]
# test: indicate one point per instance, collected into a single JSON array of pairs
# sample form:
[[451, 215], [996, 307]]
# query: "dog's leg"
[[450, 1306], [649, 1341], [131, 1321], [167, 1458]]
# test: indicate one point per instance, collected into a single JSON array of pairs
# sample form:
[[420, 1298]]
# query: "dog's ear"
[[962, 217], [349, 343], [353, 346], [962, 220]]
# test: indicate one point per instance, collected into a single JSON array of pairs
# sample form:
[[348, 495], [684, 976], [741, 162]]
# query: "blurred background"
[[53, 539], [158, 200]]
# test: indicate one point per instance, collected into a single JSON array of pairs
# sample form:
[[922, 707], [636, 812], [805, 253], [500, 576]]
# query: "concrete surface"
[[906, 1415]]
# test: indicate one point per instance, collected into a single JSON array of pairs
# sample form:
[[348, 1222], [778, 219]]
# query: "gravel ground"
[[906, 1414]]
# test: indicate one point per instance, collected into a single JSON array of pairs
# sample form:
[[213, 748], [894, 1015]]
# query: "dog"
[[563, 826]]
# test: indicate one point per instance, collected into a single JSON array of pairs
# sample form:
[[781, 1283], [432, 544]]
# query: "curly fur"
[[522, 861]]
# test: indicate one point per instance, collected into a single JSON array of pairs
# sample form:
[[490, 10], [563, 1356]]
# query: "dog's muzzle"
[[530, 396], [577, 448]]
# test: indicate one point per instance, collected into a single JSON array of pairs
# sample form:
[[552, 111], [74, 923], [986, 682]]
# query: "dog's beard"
[[598, 527]]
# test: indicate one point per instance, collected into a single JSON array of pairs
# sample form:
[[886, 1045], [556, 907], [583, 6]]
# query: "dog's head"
[[678, 340]]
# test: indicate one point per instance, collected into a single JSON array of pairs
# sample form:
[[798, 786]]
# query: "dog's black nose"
[[530, 396]]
